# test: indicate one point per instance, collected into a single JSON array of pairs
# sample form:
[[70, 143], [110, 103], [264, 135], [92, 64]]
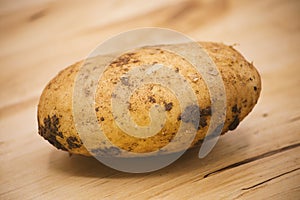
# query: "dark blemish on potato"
[[235, 123], [135, 61], [176, 69], [73, 142], [52, 140], [49, 131], [235, 109], [206, 111], [265, 115], [191, 115], [102, 119], [202, 122], [123, 60], [55, 122], [154, 63], [250, 79], [168, 106], [255, 88], [179, 118], [151, 99], [52, 124], [161, 52], [97, 109], [130, 148]]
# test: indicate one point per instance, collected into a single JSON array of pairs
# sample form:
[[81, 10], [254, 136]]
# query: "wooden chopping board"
[[259, 160]]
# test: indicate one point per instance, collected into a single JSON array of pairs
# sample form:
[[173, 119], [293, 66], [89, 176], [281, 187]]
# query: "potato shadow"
[[77, 165]]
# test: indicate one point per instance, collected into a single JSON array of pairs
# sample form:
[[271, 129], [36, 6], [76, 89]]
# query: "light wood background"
[[259, 160]]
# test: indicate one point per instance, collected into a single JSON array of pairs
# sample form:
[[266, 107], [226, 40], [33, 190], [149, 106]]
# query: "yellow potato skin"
[[242, 84]]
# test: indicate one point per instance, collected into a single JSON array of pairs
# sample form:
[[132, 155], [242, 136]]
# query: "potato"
[[55, 112]]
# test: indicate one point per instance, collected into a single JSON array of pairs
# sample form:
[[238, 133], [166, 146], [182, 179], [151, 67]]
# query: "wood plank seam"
[[252, 159]]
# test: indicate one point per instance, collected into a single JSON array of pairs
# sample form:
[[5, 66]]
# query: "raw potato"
[[55, 118]]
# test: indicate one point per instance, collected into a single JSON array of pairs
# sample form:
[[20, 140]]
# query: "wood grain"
[[259, 160]]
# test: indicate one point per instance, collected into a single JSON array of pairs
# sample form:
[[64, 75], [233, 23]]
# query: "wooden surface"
[[259, 160]]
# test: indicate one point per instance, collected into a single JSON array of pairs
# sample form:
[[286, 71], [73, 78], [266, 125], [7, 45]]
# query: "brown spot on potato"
[[129, 106], [151, 99], [235, 123], [234, 109], [179, 118], [73, 142], [123, 60], [202, 122], [52, 140], [206, 111], [168, 106], [50, 131], [191, 115]]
